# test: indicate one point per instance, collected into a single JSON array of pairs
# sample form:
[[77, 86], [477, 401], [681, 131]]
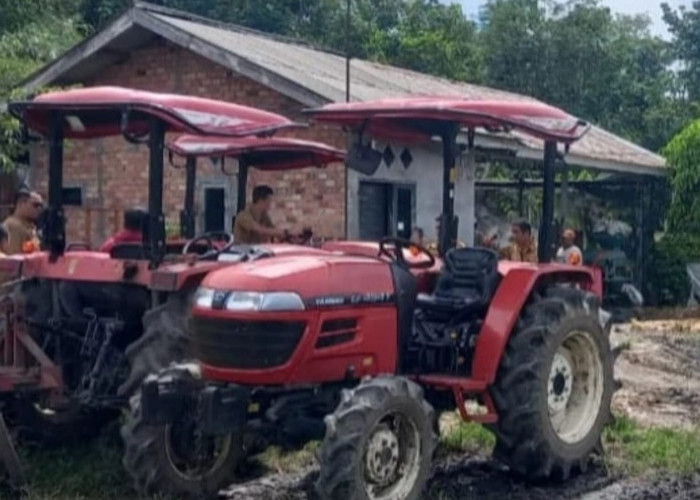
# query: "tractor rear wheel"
[[175, 459], [554, 386], [379, 443]]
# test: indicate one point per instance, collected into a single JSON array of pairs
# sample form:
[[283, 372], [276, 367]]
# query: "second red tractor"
[[361, 345]]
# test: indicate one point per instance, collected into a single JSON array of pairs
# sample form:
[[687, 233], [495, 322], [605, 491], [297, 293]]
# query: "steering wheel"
[[300, 239], [399, 245], [209, 238]]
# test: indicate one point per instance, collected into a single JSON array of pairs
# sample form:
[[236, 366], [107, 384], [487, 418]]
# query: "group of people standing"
[[18, 233], [522, 247]]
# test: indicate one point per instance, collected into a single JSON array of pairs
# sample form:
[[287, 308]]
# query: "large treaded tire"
[[349, 428], [163, 341], [526, 439], [147, 462]]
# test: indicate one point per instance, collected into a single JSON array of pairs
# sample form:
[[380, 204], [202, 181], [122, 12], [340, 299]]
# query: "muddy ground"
[[660, 374]]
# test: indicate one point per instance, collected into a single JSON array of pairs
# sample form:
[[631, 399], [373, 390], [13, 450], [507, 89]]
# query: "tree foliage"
[[575, 54], [32, 32], [683, 155]]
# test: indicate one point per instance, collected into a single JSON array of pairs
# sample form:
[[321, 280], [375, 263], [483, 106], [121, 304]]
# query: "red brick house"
[[163, 50]]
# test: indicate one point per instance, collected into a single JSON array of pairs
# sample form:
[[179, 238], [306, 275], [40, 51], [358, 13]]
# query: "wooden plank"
[[9, 459]]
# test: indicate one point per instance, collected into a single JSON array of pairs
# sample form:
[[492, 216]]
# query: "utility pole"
[[348, 47]]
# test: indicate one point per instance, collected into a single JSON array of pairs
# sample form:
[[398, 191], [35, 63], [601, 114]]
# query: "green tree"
[[34, 33], [579, 56], [684, 26], [683, 155], [432, 38]]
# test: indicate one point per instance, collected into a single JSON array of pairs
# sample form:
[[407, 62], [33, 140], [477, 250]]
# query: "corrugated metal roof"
[[324, 74]]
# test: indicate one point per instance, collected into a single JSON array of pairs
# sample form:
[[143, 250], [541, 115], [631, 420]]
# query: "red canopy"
[[270, 153], [419, 117], [99, 112]]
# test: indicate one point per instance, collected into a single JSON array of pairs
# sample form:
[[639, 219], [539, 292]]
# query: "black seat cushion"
[[129, 251], [467, 282]]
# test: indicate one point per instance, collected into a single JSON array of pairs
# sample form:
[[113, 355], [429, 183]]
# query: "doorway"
[[386, 209], [214, 209]]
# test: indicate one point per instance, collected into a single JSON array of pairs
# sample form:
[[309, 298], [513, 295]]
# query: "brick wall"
[[114, 173]]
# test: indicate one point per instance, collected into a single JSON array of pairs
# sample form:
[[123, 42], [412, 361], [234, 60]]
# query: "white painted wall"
[[426, 173]]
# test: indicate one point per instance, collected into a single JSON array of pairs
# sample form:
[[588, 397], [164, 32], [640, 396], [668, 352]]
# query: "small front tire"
[[379, 443], [158, 458]]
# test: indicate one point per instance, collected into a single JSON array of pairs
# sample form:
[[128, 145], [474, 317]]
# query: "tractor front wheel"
[[176, 459], [379, 443], [554, 386]]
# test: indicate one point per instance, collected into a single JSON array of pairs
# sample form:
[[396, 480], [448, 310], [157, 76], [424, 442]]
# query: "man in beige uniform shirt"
[[21, 225], [253, 225]]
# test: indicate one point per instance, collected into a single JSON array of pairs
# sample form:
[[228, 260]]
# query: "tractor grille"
[[244, 345]]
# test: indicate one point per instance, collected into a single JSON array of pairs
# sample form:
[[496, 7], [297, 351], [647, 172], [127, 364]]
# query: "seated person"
[[253, 225], [523, 247], [132, 232], [21, 226]]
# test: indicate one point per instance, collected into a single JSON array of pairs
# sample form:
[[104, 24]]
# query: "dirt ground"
[[660, 374]]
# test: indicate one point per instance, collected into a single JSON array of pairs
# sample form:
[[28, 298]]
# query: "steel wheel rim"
[[575, 387], [392, 457], [222, 446]]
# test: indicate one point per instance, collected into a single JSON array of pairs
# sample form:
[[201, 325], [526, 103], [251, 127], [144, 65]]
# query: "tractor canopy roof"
[[268, 153], [416, 118], [106, 111]]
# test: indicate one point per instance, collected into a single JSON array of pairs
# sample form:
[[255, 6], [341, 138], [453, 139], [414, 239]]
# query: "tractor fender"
[[518, 283]]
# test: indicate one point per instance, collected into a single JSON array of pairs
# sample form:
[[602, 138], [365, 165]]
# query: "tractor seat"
[[467, 282], [129, 251]]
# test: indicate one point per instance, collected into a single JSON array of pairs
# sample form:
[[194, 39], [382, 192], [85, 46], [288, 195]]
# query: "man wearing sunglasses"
[[21, 225]]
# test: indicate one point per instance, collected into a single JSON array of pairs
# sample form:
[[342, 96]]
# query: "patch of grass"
[[624, 346], [467, 437], [280, 461], [82, 471], [634, 450]]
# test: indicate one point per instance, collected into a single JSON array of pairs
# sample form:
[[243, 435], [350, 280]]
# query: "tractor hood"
[[317, 279]]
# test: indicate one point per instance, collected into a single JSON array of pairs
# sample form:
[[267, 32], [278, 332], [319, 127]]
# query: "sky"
[[650, 7]]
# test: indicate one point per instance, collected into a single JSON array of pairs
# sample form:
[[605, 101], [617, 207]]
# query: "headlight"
[[274, 301], [204, 297], [247, 301]]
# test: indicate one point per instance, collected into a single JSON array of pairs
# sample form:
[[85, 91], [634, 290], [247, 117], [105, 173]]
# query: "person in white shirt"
[[569, 253]]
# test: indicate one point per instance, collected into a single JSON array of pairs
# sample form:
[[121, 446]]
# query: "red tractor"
[[83, 328], [361, 346]]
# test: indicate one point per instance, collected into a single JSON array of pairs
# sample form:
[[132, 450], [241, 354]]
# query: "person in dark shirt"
[[132, 232]]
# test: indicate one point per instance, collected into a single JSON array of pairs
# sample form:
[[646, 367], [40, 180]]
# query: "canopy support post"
[[448, 221], [156, 220], [55, 223], [242, 185], [545, 234], [469, 165], [187, 224]]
